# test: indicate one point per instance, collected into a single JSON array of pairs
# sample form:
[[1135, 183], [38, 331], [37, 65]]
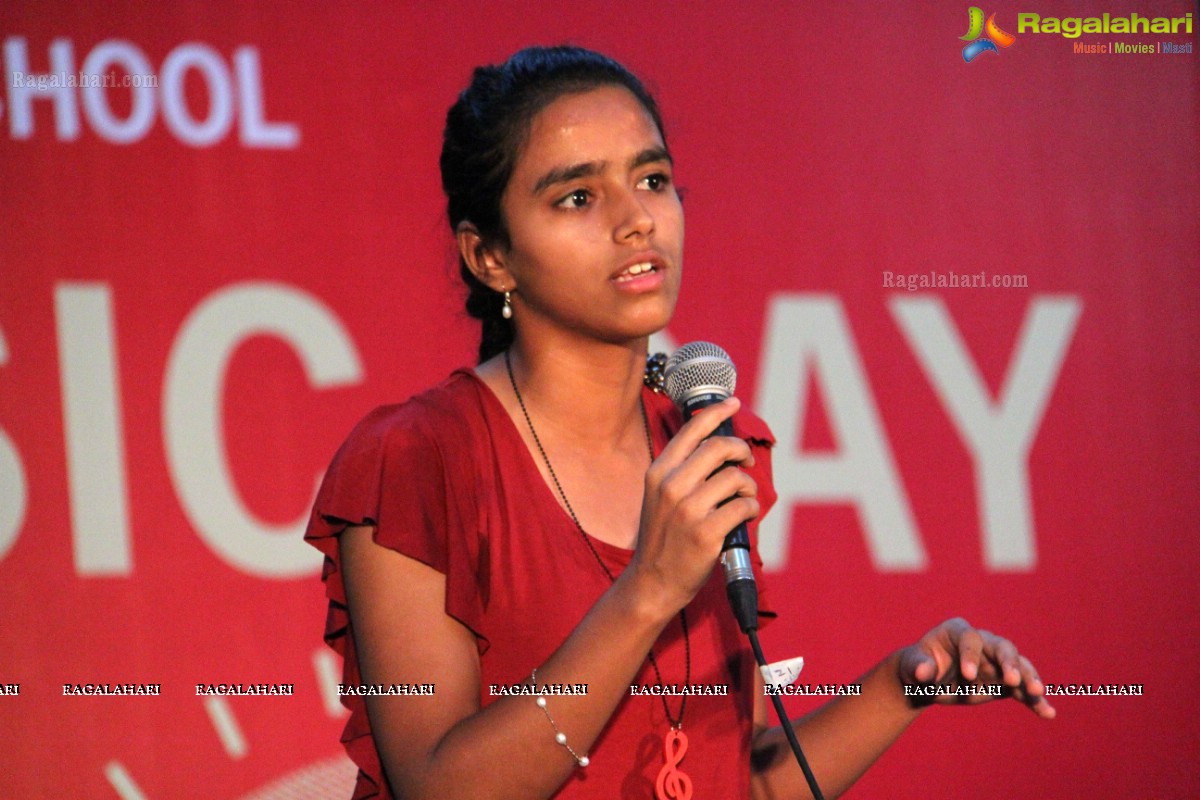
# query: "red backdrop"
[[206, 281]]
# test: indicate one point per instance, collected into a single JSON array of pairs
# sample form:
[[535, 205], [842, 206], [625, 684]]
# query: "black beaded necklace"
[[652, 362]]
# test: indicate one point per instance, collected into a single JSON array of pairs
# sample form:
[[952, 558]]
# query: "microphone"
[[698, 375]]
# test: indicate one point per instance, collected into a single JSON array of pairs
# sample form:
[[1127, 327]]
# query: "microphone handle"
[[735, 553]]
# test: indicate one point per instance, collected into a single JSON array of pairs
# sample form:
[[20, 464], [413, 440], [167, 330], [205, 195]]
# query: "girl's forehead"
[[605, 123], [603, 106]]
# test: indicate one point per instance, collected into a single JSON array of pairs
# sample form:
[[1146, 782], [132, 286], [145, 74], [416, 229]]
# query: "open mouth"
[[636, 270]]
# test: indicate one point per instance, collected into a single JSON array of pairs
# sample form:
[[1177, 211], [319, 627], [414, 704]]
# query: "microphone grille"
[[697, 365]]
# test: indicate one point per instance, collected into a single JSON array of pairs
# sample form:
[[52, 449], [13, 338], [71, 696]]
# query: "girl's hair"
[[485, 131]]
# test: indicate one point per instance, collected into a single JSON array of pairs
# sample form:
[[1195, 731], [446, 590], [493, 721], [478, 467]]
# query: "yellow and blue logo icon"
[[977, 41]]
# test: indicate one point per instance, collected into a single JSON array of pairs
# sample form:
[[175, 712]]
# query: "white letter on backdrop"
[[810, 332], [24, 88], [193, 427], [95, 96], [998, 435], [207, 62], [253, 127], [14, 494], [87, 364]]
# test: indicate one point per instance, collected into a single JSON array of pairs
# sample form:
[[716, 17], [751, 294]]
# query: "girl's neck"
[[587, 392]]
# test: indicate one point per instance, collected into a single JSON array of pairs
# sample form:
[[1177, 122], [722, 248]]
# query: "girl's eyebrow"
[[569, 173], [586, 169], [649, 156]]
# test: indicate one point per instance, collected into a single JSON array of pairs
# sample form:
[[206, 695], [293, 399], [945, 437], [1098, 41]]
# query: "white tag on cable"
[[782, 673]]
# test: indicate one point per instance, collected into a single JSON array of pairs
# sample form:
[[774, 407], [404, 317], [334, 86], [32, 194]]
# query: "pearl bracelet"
[[559, 736]]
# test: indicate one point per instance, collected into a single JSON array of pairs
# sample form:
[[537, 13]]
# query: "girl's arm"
[[446, 745], [845, 736]]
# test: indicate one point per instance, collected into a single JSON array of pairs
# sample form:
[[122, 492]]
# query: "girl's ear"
[[485, 262]]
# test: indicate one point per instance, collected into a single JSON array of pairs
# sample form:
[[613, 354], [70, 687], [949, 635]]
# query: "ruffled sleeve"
[[400, 472]]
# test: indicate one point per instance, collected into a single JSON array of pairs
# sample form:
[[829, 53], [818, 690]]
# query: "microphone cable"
[[784, 721]]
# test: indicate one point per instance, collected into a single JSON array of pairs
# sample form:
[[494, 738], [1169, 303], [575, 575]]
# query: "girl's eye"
[[655, 183], [576, 199]]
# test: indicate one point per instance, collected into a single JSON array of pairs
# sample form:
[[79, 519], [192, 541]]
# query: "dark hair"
[[485, 130]]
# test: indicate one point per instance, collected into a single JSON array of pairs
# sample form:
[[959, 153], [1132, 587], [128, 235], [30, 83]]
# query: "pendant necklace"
[[672, 783]]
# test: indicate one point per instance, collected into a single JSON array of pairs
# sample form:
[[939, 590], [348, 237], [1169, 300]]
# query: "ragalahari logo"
[[977, 44]]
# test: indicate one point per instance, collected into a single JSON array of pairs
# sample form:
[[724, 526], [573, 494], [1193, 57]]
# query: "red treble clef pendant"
[[673, 783]]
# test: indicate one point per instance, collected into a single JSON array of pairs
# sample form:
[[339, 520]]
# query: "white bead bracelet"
[[559, 736]]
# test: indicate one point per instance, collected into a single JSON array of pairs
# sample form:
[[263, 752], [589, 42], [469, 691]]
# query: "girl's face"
[[594, 222]]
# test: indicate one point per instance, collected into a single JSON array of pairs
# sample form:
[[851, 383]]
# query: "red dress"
[[446, 479]]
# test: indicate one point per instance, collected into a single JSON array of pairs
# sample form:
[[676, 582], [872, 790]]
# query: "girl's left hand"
[[955, 656]]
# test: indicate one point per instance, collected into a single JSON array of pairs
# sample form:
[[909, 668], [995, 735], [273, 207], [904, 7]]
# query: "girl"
[[520, 561]]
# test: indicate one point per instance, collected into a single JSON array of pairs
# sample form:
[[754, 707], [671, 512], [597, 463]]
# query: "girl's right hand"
[[689, 506]]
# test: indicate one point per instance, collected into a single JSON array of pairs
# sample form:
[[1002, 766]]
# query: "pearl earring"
[[507, 311]]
